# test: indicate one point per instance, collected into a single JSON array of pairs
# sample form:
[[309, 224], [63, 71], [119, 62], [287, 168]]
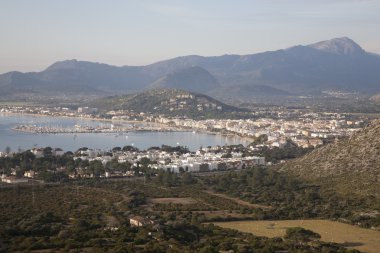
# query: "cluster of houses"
[[140, 221], [207, 161], [14, 179], [305, 131], [203, 160], [188, 101], [87, 110]]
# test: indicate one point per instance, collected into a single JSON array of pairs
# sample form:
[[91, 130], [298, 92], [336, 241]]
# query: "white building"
[[38, 152], [14, 180]]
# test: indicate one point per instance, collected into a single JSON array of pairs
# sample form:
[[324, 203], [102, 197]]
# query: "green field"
[[331, 231]]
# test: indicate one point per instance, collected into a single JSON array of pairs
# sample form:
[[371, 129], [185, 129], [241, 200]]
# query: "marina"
[[111, 128], [142, 138]]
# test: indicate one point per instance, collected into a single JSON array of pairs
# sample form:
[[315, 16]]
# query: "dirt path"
[[238, 201]]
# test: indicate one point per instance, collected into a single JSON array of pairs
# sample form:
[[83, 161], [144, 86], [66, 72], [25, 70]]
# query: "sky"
[[35, 34]]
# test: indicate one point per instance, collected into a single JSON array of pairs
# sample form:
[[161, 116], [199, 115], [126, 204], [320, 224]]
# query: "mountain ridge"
[[341, 46], [337, 64]]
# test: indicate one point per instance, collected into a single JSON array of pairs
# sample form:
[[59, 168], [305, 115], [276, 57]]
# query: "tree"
[[300, 235], [187, 179], [208, 249], [47, 152], [145, 161], [259, 140], [116, 149], [130, 149], [96, 168]]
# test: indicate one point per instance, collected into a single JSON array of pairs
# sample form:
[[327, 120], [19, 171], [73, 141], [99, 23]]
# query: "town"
[[278, 125], [269, 133]]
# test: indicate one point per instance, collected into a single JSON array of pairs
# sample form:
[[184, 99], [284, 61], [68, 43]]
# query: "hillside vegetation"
[[351, 166], [168, 102], [93, 216]]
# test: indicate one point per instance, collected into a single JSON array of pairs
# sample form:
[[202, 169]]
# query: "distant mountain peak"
[[337, 64], [66, 64], [195, 79], [340, 46]]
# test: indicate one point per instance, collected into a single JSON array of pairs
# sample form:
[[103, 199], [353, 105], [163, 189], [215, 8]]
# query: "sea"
[[21, 141]]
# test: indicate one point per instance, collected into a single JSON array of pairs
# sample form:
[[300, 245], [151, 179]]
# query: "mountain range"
[[338, 64]]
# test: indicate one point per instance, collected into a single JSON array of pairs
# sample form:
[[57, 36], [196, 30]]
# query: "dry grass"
[[359, 238], [225, 214], [182, 201]]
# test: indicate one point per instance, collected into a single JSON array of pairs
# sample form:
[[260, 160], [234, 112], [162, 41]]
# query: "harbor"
[[138, 134], [109, 128]]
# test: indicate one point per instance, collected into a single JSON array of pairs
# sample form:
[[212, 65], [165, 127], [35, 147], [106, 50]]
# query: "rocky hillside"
[[350, 166]]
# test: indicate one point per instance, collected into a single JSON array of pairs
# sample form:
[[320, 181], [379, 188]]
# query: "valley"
[[267, 152]]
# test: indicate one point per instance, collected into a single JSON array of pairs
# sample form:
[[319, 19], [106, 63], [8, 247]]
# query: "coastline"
[[180, 129]]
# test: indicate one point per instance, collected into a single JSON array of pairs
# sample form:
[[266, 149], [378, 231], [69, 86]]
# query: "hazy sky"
[[36, 33]]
